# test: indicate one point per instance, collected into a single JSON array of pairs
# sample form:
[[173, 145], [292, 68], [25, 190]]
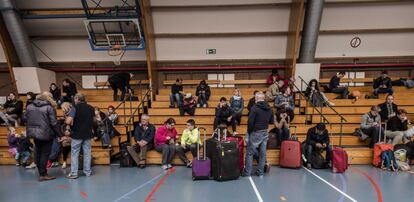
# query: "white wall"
[[221, 20], [77, 50], [227, 48], [371, 45], [368, 16]]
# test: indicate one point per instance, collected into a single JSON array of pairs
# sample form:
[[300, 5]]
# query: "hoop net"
[[116, 51]]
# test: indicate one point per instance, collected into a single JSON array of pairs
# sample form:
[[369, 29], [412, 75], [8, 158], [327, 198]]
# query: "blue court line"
[[140, 187]]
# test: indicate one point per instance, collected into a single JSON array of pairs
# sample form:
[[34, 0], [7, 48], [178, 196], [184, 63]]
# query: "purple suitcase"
[[201, 167]]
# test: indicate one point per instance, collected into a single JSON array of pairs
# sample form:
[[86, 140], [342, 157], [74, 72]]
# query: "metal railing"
[[127, 123]]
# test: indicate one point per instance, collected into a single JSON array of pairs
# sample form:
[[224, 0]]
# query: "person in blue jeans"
[[383, 84], [176, 93], [317, 139], [259, 118], [81, 117]]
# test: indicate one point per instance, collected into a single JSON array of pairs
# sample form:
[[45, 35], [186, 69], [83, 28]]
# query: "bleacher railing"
[[320, 111]]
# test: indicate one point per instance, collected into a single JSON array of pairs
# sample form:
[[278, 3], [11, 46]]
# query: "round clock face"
[[355, 42]]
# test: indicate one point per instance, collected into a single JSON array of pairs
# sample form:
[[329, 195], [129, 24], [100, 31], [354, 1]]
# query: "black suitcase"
[[224, 157], [125, 160]]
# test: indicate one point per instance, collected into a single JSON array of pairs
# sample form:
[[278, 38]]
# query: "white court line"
[[255, 190], [326, 182], [139, 187]]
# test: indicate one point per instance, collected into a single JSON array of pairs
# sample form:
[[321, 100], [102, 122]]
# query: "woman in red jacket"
[[165, 142]]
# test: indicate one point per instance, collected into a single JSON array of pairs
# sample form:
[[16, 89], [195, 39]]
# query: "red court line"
[[149, 197], [374, 184], [84, 194]]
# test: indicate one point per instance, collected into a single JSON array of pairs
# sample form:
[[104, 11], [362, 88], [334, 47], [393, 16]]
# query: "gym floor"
[[113, 184]]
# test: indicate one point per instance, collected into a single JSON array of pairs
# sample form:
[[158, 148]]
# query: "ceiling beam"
[[151, 56], [297, 11], [9, 51]]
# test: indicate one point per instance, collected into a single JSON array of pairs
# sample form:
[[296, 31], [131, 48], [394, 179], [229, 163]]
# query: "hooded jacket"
[[205, 88], [260, 117], [237, 104], [41, 121], [312, 137]]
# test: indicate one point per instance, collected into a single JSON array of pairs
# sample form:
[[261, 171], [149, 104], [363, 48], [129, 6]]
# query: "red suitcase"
[[339, 160], [240, 142], [379, 147], [291, 153]]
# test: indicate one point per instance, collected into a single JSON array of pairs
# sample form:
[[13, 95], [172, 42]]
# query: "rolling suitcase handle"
[[217, 131], [294, 136], [198, 145], [385, 133]]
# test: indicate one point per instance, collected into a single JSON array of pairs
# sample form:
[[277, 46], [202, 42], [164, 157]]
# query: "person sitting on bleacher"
[[285, 101], [55, 90], [69, 91], [252, 101], [274, 77], [335, 87], [281, 121], [104, 129], [315, 96], [370, 125], [144, 134], [383, 84], [396, 126], [203, 93], [189, 140], [13, 110], [165, 142], [237, 106], [121, 81], [317, 140], [176, 93], [223, 113], [112, 115], [388, 108], [188, 106], [273, 90]]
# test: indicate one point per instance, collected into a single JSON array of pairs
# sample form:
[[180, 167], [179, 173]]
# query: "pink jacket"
[[161, 135]]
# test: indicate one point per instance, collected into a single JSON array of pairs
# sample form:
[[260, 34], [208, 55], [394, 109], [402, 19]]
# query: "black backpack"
[[125, 160], [317, 160]]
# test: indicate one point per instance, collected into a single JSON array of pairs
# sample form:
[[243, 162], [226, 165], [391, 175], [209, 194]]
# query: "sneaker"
[[55, 164], [164, 167], [204, 105], [17, 164], [267, 168], [169, 166], [70, 176], [46, 178], [189, 164], [142, 166], [64, 165], [88, 174], [31, 166], [198, 105], [309, 166]]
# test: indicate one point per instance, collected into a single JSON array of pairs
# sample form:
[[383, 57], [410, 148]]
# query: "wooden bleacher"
[[305, 118]]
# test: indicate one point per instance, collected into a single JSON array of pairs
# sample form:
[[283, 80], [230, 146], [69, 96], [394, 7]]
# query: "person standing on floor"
[[144, 135], [237, 106], [259, 118], [43, 126], [121, 81], [81, 118]]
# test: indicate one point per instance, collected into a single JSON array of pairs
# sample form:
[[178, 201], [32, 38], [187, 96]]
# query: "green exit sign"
[[210, 51]]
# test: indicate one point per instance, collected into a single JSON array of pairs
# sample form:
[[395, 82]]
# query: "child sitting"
[[24, 148], [66, 141], [12, 140]]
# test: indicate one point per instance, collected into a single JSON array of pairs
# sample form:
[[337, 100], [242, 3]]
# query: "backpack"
[[402, 154], [409, 83], [388, 161], [317, 160]]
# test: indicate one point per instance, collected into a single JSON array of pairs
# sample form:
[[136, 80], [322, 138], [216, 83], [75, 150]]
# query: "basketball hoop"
[[116, 52]]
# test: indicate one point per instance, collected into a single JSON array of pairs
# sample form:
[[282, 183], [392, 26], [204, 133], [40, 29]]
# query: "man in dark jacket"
[[43, 126], [69, 91], [13, 110], [388, 108], [317, 140], [259, 118], [144, 137], [335, 86], [383, 84], [81, 117], [396, 127], [223, 113], [176, 93], [121, 81]]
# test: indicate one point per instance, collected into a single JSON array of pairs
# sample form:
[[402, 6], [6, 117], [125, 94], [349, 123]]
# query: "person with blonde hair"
[[42, 124], [237, 106]]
